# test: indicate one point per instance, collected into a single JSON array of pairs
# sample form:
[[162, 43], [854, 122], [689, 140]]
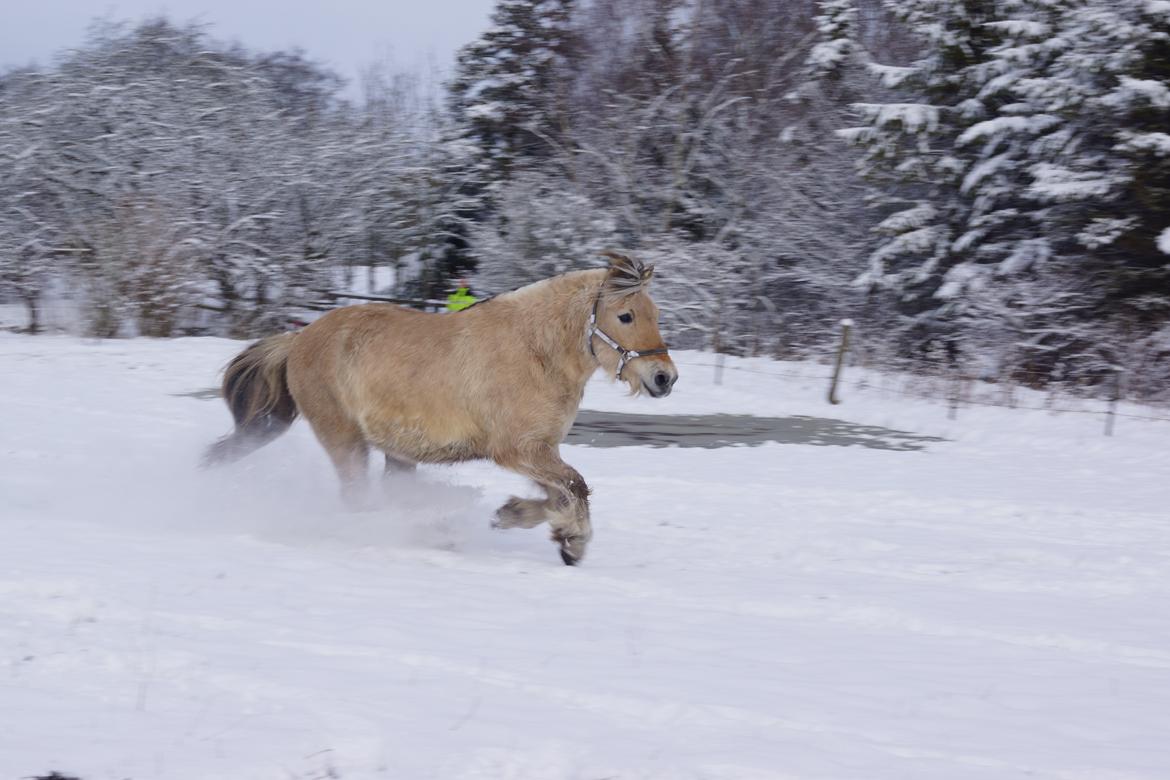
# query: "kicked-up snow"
[[991, 606]]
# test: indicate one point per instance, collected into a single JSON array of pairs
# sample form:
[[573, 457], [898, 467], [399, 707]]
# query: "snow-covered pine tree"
[[1005, 259], [507, 93], [837, 46], [1103, 175], [915, 151]]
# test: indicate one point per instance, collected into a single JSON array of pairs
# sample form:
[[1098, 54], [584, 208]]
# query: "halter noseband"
[[625, 355]]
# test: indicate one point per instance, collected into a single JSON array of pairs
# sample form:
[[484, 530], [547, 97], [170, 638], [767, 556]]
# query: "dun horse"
[[501, 381]]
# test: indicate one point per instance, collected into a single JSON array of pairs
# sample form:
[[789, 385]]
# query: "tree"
[[1102, 173], [940, 236], [508, 88], [27, 234]]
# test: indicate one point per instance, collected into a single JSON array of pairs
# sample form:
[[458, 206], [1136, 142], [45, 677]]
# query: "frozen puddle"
[[609, 429], [613, 429]]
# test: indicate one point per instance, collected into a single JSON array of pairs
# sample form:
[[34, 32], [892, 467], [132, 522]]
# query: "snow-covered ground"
[[994, 606]]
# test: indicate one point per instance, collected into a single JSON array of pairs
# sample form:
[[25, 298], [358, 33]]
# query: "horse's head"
[[624, 332]]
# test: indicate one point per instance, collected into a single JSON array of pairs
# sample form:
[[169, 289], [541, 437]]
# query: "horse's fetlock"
[[578, 489]]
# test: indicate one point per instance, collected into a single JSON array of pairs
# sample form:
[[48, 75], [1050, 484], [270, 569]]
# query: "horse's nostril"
[[661, 379]]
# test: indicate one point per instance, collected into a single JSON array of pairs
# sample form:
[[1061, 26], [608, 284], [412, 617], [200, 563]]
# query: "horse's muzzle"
[[662, 382]]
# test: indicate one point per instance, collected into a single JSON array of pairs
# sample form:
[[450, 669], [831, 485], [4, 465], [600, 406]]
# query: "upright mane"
[[626, 275]]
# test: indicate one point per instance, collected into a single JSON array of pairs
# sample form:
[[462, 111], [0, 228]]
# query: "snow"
[[1020, 28], [1164, 241], [1155, 143], [1057, 183], [492, 111], [1156, 92], [985, 168], [1007, 124], [962, 277], [828, 54], [890, 76], [1103, 231], [990, 607], [911, 117], [908, 219], [1024, 255]]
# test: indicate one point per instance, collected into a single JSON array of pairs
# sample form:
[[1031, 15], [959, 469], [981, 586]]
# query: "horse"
[[501, 380]]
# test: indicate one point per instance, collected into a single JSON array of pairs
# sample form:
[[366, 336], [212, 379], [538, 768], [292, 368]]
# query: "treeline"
[[982, 186], [158, 176]]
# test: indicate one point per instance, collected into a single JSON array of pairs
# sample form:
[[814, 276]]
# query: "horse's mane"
[[626, 275]]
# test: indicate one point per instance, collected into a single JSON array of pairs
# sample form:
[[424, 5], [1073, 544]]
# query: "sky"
[[347, 35]]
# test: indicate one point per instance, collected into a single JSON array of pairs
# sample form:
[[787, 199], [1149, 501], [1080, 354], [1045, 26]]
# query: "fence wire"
[[963, 400]]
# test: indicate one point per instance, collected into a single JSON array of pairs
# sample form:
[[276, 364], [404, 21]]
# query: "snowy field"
[[994, 606]]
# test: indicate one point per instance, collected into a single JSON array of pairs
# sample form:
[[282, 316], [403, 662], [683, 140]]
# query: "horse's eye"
[[626, 318]]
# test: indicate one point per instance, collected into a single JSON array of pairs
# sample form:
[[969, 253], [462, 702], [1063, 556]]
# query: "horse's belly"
[[425, 440]]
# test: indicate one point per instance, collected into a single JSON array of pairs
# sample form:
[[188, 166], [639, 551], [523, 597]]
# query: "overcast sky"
[[345, 34]]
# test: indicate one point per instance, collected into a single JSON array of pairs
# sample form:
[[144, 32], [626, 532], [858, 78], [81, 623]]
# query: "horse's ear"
[[647, 273], [617, 260], [626, 275]]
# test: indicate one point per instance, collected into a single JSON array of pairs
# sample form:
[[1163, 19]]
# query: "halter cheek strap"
[[624, 355]]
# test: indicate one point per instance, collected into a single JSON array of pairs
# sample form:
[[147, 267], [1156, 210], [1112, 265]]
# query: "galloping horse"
[[501, 381]]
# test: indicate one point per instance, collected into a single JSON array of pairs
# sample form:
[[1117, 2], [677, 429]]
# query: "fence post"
[[953, 405], [1112, 412], [846, 326], [717, 340]]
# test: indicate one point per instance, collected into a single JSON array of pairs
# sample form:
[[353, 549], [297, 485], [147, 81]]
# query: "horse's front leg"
[[566, 507]]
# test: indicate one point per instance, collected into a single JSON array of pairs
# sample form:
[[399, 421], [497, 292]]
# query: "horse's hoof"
[[572, 548]]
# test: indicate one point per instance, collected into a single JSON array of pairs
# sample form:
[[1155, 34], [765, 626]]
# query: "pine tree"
[[507, 91], [1103, 175], [916, 150]]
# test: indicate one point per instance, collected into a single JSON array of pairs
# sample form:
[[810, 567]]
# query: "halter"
[[625, 355]]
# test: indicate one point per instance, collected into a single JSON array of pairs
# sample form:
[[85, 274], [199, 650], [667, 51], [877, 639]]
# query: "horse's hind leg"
[[349, 452], [566, 508], [397, 465]]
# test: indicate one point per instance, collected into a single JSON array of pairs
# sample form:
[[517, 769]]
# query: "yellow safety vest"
[[460, 300]]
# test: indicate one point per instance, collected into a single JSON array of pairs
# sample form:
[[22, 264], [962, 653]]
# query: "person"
[[461, 298]]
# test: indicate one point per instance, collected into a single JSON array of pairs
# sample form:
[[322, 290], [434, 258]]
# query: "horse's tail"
[[255, 387]]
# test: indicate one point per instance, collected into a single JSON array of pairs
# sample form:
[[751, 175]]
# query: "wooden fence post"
[[1112, 412], [846, 326], [956, 392]]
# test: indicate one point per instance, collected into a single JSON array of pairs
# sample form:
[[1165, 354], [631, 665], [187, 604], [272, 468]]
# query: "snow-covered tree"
[[508, 87], [941, 154], [540, 228], [28, 232], [1102, 173]]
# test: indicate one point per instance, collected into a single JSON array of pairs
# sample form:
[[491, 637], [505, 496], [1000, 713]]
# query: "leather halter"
[[625, 355]]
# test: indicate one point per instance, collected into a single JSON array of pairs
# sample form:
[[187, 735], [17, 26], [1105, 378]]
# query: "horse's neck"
[[562, 321]]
